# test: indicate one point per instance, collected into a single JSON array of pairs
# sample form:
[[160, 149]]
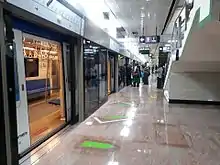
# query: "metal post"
[[80, 79], [179, 32], [116, 73]]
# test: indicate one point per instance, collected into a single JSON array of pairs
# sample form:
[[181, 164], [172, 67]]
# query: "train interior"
[[44, 85]]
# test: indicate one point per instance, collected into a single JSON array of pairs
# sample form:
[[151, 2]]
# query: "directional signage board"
[[144, 50], [149, 39]]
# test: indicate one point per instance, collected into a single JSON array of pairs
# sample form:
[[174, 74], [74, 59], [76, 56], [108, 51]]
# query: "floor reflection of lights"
[[144, 151], [131, 112], [89, 123], [161, 121], [34, 159], [128, 123], [50, 146], [130, 116], [113, 163], [125, 131]]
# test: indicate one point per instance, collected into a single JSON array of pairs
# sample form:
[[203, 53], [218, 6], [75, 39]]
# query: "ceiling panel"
[[129, 14]]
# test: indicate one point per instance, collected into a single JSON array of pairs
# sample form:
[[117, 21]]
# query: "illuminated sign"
[[149, 39], [144, 50]]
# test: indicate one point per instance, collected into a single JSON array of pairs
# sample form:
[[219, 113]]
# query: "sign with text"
[[149, 39], [144, 50], [54, 12]]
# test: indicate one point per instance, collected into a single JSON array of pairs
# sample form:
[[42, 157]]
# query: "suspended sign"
[[144, 50], [149, 39]]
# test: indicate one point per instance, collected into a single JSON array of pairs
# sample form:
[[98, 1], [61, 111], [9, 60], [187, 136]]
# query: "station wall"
[[196, 86]]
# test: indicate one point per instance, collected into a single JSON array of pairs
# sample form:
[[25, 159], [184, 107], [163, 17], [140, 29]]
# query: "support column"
[[116, 73], [80, 80]]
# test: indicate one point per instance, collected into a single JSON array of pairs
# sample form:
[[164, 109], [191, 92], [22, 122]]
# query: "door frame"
[[8, 122], [24, 136], [67, 81], [72, 119]]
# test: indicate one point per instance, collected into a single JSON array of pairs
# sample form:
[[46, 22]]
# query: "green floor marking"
[[95, 144], [115, 117]]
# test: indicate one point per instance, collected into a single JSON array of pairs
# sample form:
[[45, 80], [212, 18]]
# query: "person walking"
[[159, 77], [146, 76], [128, 75], [136, 78]]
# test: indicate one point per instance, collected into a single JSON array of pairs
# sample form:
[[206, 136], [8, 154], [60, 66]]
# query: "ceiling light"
[[142, 8], [148, 14], [172, 41], [147, 0], [27, 48], [142, 15]]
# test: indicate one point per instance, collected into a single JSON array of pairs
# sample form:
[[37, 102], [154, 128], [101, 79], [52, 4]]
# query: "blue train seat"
[[36, 88]]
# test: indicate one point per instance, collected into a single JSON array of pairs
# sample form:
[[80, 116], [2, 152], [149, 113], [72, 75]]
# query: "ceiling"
[[128, 12], [132, 15], [178, 8]]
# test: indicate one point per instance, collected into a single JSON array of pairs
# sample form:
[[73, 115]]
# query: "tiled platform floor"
[[138, 127]]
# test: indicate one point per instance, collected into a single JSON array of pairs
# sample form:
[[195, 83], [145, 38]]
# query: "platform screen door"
[[21, 96]]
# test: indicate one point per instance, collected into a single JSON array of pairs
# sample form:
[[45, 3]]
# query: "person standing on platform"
[[146, 76], [136, 78], [160, 77], [128, 74]]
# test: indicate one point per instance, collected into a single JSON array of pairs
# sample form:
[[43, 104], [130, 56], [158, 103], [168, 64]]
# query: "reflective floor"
[[137, 127]]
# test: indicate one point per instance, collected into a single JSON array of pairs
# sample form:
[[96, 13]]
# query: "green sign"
[[144, 50]]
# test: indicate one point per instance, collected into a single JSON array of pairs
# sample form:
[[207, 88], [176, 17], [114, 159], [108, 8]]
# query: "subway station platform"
[[137, 127]]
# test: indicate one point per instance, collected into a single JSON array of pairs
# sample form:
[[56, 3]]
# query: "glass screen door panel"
[[103, 83], [91, 79], [21, 96], [109, 77], [42, 60]]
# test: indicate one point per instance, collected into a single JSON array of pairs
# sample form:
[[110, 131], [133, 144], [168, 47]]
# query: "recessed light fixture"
[[142, 15], [142, 8], [148, 14], [147, 0]]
